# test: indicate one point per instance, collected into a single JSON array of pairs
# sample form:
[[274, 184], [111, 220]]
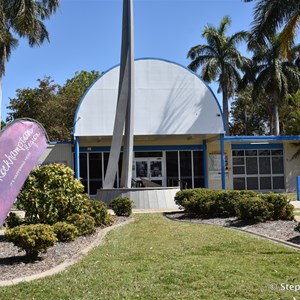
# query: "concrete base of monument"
[[143, 198]]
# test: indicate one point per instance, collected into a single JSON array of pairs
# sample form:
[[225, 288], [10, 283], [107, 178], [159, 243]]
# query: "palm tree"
[[290, 114], [220, 59], [273, 76], [270, 16], [25, 19]]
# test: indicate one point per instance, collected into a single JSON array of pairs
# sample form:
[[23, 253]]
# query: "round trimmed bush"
[[281, 208], [84, 223], [98, 210], [254, 209], [65, 232], [33, 239], [121, 206], [51, 194]]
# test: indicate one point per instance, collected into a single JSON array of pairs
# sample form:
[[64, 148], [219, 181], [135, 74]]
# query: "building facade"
[[179, 137]]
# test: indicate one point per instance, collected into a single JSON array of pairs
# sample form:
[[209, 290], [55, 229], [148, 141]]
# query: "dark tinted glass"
[[238, 153], [185, 163], [264, 152], [264, 165], [172, 168], [239, 184], [277, 152], [95, 166], [251, 152], [238, 170], [252, 183], [238, 161], [265, 183], [277, 165], [148, 154], [278, 183], [251, 165]]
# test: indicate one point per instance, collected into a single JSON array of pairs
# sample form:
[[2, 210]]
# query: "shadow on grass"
[[228, 221]]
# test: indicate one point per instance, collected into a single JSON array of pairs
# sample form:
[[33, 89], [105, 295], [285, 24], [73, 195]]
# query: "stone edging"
[[275, 240], [68, 262]]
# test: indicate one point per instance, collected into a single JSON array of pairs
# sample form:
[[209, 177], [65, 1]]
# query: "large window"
[[95, 171], [167, 168], [185, 168], [258, 169]]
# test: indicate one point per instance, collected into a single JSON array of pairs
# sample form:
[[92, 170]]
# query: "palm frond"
[[288, 34]]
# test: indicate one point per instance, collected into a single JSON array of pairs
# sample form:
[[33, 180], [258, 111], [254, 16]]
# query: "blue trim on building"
[[205, 173], [77, 158], [144, 148], [222, 150], [148, 58], [256, 146], [270, 138], [60, 143]]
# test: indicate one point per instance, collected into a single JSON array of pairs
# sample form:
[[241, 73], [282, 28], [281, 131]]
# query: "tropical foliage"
[[273, 76], [220, 59], [52, 105], [51, 194], [23, 19], [250, 117], [272, 15], [290, 114]]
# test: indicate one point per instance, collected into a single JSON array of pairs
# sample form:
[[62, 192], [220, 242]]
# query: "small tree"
[[51, 194], [33, 239]]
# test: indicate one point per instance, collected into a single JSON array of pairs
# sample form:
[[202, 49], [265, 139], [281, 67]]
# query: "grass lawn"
[[154, 258]]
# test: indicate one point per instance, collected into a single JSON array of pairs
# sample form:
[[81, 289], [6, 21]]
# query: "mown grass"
[[154, 258]]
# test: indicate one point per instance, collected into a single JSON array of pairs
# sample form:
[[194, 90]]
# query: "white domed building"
[[179, 136]]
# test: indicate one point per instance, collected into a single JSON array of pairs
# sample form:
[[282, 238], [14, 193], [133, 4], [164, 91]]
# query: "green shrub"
[[254, 209], [281, 209], [183, 196], [245, 204], [121, 206], [200, 203], [65, 232], [33, 239], [225, 203], [211, 203], [13, 220], [84, 223], [98, 210], [297, 228], [51, 194]]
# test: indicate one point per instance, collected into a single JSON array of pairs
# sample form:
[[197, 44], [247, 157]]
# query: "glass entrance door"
[[151, 168]]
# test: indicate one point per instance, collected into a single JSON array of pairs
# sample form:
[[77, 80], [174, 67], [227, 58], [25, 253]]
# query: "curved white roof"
[[169, 100]]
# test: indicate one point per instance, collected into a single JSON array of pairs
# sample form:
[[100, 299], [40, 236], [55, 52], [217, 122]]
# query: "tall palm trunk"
[[276, 114]]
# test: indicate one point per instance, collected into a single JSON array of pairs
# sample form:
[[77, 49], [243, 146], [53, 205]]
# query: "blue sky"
[[86, 35]]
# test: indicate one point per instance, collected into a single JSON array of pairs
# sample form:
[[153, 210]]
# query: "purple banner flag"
[[22, 143]]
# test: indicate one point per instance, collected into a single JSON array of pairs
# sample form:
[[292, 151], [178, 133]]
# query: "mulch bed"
[[14, 264]]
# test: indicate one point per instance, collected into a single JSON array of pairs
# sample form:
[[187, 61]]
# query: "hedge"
[[246, 205]]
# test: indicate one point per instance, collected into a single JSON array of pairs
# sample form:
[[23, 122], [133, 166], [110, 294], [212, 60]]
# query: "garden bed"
[[13, 264]]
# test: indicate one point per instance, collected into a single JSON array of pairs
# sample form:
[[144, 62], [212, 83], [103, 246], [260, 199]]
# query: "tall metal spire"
[[125, 105]]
